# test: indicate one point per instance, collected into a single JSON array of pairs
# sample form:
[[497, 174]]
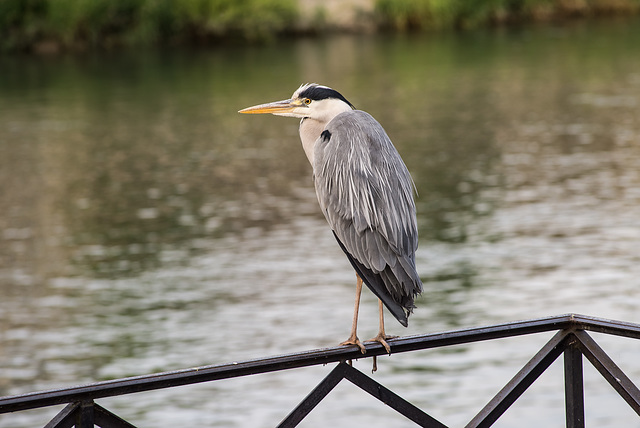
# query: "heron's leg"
[[382, 336], [353, 339]]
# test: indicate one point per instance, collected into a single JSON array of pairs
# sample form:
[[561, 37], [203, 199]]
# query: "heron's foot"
[[381, 338], [353, 340]]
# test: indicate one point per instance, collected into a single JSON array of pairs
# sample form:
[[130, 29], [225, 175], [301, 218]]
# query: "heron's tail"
[[377, 285], [400, 306]]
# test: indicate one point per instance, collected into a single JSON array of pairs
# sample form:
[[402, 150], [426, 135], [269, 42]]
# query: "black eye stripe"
[[317, 93]]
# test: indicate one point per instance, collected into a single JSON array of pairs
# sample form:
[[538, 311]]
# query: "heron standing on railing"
[[366, 194]]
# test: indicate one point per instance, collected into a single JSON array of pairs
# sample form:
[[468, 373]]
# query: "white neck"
[[310, 130], [320, 114]]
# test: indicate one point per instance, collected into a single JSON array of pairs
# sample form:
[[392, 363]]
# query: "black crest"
[[317, 93]]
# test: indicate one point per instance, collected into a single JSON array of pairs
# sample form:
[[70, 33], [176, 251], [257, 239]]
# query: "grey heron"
[[366, 194]]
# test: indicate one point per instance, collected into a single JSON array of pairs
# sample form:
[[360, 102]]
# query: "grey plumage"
[[366, 194]]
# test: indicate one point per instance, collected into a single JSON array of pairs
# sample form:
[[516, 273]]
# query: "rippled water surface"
[[146, 226]]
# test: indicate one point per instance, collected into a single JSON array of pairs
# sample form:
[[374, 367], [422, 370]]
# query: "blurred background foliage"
[[51, 25], [80, 24], [440, 14]]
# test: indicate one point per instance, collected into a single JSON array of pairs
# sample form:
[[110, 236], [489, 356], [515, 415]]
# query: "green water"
[[146, 226]]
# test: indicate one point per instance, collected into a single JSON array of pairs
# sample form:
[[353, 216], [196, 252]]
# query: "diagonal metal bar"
[[521, 381], [345, 371], [573, 385], [609, 370], [314, 397], [390, 398], [106, 419], [87, 414], [66, 418]]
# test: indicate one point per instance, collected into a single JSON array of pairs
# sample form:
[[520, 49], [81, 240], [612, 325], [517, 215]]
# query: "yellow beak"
[[284, 106]]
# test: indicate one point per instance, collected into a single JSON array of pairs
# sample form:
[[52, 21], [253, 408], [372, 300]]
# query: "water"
[[146, 226]]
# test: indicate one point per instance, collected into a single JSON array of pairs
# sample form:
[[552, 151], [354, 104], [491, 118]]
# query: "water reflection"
[[128, 172], [145, 225]]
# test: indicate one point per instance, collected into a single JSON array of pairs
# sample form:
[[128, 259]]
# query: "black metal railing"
[[572, 340]]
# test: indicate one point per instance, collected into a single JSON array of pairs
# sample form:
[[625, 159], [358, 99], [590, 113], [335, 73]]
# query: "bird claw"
[[353, 340], [382, 339]]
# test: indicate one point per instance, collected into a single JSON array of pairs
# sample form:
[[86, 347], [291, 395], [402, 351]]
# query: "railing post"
[[86, 415], [573, 386]]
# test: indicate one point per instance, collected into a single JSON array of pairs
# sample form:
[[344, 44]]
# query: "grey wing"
[[366, 194]]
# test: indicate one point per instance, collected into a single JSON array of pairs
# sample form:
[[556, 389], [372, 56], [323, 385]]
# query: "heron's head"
[[308, 101]]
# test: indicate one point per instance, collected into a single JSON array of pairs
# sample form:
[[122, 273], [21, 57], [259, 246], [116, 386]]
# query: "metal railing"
[[572, 340]]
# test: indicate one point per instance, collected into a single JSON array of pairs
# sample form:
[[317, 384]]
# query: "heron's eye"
[[307, 101]]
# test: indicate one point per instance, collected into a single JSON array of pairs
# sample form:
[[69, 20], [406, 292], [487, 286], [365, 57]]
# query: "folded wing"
[[366, 194]]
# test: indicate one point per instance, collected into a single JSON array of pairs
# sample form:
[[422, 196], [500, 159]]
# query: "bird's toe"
[[355, 341], [382, 339]]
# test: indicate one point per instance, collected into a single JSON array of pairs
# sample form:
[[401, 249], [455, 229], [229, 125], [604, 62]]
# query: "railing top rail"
[[312, 357]]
